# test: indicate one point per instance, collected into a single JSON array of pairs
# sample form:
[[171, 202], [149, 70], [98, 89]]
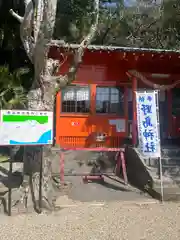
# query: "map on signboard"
[[26, 127]]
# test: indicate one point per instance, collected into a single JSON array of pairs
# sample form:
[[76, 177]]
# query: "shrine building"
[[101, 101]]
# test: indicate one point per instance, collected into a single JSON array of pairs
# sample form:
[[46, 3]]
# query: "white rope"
[[153, 85]]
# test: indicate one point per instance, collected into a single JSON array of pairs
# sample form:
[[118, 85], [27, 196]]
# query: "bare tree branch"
[[44, 36], [37, 18], [26, 27], [16, 16], [159, 39], [64, 80], [142, 28], [41, 19], [110, 25]]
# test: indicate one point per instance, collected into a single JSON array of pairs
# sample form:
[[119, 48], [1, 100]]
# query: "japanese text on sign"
[[148, 131]]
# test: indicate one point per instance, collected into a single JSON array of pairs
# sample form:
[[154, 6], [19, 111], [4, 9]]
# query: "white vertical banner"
[[148, 123]]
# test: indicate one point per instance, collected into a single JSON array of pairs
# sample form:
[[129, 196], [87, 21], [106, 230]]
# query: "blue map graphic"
[[45, 138]]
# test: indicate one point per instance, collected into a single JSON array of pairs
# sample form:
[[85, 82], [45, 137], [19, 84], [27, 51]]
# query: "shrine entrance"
[[168, 102], [176, 112], [163, 115]]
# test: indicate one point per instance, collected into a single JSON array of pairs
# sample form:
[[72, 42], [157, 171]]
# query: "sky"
[[127, 3]]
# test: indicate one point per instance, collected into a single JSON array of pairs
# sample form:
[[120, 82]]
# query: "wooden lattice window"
[[110, 100], [75, 99]]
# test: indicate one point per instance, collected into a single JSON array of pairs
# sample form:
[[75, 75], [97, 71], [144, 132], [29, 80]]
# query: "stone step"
[[146, 176], [166, 162], [175, 161], [170, 152]]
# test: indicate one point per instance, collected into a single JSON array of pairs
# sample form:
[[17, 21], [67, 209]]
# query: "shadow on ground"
[[14, 182], [111, 186], [112, 189]]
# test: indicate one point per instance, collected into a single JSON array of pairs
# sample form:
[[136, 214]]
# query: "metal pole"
[[160, 170], [124, 168], [25, 179], [40, 179], [161, 178], [118, 164], [85, 174], [62, 167], [10, 182]]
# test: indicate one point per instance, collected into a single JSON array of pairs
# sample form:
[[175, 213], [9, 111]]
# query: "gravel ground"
[[115, 220]]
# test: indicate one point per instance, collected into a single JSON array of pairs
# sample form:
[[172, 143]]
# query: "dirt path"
[[115, 220]]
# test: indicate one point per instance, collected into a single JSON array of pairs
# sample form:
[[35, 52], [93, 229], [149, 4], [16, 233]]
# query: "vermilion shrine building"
[[102, 99]]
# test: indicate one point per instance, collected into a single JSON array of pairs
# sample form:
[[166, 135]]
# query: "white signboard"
[[119, 123], [147, 120], [26, 127]]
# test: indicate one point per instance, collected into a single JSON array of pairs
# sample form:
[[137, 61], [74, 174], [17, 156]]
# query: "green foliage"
[[12, 94], [144, 24], [170, 31], [73, 19]]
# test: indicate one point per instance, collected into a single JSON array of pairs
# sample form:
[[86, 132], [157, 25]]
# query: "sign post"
[[148, 127], [25, 128]]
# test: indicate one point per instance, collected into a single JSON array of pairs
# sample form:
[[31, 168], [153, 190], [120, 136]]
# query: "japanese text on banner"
[[148, 131]]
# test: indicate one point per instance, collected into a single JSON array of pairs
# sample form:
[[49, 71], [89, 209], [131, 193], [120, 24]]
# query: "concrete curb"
[[101, 204], [81, 204]]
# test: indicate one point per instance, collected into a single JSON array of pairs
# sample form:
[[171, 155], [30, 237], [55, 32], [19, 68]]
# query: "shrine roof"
[[58, 43]]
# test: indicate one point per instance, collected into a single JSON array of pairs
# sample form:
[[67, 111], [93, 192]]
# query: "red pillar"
[[134, 123]]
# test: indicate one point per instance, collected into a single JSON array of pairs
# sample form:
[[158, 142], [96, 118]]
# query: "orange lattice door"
[[110, 114], [90, 115], [73, 108]]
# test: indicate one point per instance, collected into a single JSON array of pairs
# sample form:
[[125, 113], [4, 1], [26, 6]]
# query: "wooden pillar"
[[126, 110], [134, 123], [169, 105], [93, 99]]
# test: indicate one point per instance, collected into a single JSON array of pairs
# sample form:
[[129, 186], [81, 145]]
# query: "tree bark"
[[33, 154], [42, 14]]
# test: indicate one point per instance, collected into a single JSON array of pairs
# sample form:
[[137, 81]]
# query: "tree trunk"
[[42, 14], [35, 154]]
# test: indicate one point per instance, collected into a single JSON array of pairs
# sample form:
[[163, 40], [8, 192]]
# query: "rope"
[[149, 83]]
